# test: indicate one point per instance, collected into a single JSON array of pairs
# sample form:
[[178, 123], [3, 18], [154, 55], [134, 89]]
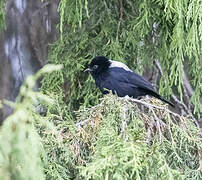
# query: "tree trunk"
[[31, 25]]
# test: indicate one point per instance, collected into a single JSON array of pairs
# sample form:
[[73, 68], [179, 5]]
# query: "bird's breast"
[[100, 79]]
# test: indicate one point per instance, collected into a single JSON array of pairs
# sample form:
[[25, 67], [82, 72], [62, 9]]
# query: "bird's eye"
[[95, 67]]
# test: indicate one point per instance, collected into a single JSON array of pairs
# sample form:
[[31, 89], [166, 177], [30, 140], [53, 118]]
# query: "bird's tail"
[[156, 95]]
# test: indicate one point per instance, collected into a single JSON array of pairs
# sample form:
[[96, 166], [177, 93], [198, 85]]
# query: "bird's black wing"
[[125, 83]]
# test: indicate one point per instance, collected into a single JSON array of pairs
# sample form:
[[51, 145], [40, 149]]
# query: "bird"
[[115, 76]]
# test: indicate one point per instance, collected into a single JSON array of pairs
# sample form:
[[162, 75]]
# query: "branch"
[[82, 123], [124, 124], [187, 85], [156, 62], [151, 106], [188, 92]]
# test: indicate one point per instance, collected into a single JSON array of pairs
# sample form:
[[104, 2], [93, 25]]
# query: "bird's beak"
[[88, 70]]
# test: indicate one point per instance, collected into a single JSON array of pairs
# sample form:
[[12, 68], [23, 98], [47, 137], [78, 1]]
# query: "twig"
[[187, 85], [180, 103], [82, 123], [156, 62], [150, 106], [187, 110], [188, 92], [158, 125], [120, 19], [154, 106], [124, 124], [186, 97], [150, 128]]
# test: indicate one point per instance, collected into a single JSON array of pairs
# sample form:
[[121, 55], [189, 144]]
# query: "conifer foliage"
[[137, 33], [2, 17], [69, 131]]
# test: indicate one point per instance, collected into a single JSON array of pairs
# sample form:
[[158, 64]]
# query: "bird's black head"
[[98, 65]]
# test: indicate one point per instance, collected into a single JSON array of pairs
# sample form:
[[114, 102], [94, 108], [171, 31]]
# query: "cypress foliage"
[[84, 136], [112, 140], [135, 32], [2, 17], [21, 147]]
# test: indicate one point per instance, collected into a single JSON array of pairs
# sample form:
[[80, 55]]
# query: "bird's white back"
[[119, 64]]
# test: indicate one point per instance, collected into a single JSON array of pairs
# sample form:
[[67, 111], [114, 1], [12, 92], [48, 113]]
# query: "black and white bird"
[[117, 77]]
